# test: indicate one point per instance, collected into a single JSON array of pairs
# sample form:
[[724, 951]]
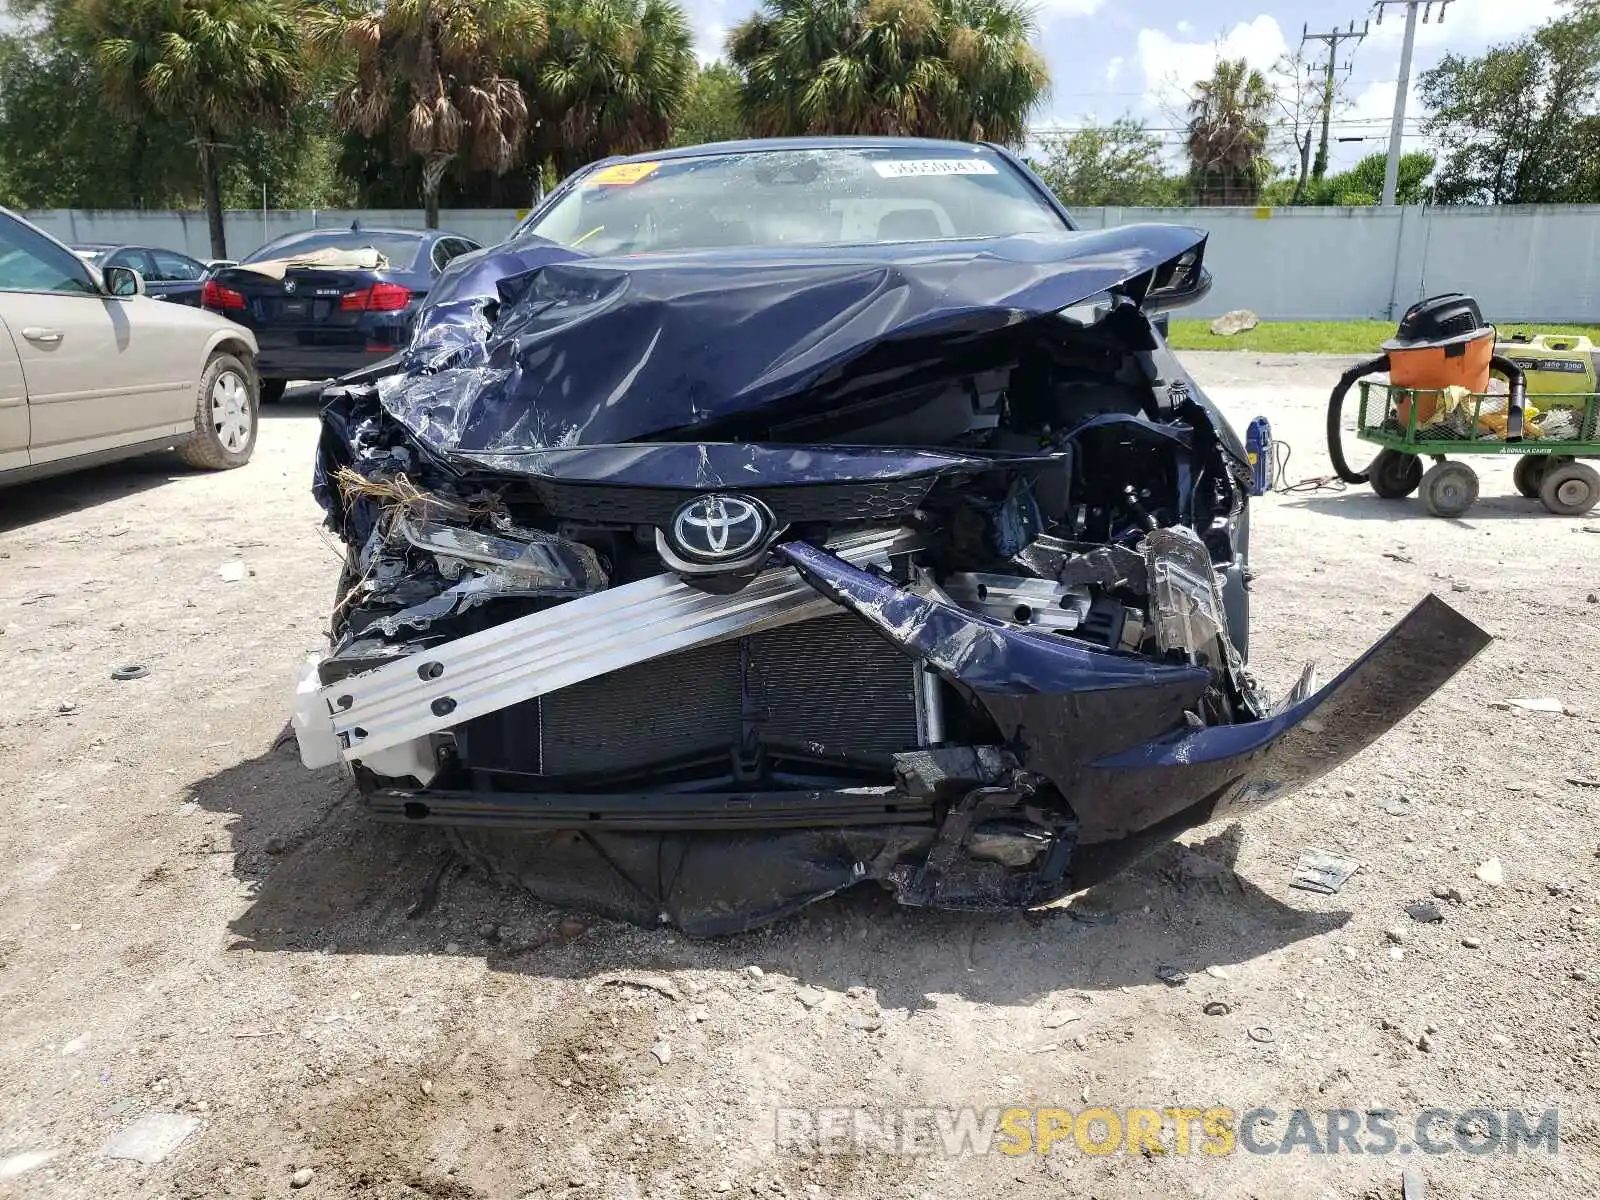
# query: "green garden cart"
[[1410, 424]]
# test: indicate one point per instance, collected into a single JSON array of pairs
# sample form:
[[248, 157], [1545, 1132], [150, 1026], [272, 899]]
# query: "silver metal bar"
[[1020, 600], [593, 635], [925, 681], [930, 706]]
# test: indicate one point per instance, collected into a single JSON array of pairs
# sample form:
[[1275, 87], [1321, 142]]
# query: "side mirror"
[[122, 282], [1182, 281]]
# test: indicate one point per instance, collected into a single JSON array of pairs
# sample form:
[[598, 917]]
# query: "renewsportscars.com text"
[[1175, 1129]]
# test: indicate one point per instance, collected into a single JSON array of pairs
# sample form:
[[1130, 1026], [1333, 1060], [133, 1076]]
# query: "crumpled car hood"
[[536, 347]]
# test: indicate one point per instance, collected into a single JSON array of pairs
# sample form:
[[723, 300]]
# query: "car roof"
[[758, 145], [100, 247], [385, 230]]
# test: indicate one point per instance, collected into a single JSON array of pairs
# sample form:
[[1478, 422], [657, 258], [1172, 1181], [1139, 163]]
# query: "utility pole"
[[1332, 40], [1391, 169]]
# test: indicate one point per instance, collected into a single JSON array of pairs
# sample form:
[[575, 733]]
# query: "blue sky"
[[1110, 57]]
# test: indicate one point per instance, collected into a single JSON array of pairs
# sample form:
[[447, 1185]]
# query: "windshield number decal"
[[914, 167]]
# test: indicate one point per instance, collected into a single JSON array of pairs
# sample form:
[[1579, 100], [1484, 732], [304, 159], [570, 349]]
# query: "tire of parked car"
[[227, 413]]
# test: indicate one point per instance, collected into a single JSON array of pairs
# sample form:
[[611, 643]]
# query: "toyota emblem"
[[720, 528]]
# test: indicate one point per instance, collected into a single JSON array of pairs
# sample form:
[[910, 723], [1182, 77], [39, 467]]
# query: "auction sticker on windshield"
[[622, 174], [911, 167]]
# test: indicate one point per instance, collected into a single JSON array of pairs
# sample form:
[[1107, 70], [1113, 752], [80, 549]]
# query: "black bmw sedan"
[[326, 302]]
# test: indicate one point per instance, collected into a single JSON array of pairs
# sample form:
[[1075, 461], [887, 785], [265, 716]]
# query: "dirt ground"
[[190, 923]]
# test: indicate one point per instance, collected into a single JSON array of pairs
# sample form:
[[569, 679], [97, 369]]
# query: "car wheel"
[[272, 390], [224, 418]]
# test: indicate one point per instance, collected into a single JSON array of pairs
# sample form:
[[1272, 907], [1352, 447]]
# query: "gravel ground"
[[191, 924]]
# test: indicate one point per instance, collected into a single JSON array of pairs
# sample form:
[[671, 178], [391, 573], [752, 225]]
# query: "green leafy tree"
[[934, 68], [221, 66], [1119, 163], [1519, 124], [1229, 125], [712, 112], [438, 76], [613, 79], [59, 148], [1361, 185], [297, 166]]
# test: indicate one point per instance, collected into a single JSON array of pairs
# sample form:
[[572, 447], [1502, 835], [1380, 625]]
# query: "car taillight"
[[214, 295], [380, 297]]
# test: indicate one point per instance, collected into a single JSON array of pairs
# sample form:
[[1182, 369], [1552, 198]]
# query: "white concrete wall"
[[1537, 262], [1528, 262], [188, 232]]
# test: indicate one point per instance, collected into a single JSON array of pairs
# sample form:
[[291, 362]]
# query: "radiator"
[[828, 683]]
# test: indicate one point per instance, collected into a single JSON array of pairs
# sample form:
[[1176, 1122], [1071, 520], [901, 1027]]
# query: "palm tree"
[[1228, 129], [1000, 77], [934, 68], [222, 65], [613, 78], [437, 73]]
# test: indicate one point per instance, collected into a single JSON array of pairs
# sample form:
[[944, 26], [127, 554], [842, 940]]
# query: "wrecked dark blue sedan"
[[769, 518]]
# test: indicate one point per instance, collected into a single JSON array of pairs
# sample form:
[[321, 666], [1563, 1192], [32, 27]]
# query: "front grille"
[[829, 687], [825, 503]]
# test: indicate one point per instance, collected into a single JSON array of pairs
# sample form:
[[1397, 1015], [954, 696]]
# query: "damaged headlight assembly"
[[527, 561], [898, 578]]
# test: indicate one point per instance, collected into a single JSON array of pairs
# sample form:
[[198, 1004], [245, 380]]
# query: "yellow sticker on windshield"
[[621, 175]]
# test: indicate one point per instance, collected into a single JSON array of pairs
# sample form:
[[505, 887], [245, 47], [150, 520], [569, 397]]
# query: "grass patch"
[[1324, 337]]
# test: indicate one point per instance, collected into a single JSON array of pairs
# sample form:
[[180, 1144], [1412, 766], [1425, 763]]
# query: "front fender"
[[230, 335]]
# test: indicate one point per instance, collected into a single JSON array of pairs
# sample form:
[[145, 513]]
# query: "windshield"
[[836, 196], [399, 248]]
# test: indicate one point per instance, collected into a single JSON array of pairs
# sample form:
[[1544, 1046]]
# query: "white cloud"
[[1368, 116], [1374, 105], [1051, 10], [710, 20], [1171, 67], [1184, 28], [1114, 68], [1468, 26], [1465, 23], [709, 42]]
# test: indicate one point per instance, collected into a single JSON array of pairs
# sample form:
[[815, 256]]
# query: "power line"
[[1331, 40]]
